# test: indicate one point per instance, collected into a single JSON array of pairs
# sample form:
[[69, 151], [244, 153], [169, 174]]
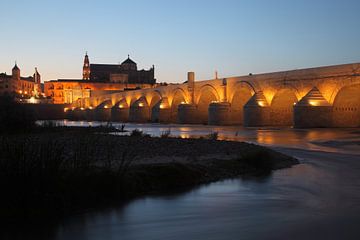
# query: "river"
[[317, 199]]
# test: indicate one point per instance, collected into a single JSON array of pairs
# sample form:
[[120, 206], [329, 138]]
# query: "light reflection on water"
[[329, 140], [317, 199]]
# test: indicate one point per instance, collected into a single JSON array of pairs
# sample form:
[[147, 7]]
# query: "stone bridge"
[[315, 97]]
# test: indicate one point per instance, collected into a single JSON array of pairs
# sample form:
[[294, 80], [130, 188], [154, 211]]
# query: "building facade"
[[15, 85], [99, 79], [126, 72]]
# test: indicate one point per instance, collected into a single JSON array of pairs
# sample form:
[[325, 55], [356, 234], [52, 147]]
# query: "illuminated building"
[[21, 87], [99, 79]]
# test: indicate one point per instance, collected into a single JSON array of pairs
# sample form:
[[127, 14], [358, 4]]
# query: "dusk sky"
[[234, 37]]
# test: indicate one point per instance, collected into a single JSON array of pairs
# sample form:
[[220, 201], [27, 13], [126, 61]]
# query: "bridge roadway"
[[315, 97]]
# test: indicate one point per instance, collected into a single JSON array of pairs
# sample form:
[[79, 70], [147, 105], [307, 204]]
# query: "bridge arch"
[[153, 98], [105, 104], [178, 97], [121, 104], [207, 95], [139, 110], [346, 107], [282, 106], [154, 102], [242, 93], [103, 111]]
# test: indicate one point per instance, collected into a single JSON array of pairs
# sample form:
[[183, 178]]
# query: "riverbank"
[[52, 173]]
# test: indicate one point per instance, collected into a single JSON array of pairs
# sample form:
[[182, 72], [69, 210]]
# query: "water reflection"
[[328, 140], [317, 199]]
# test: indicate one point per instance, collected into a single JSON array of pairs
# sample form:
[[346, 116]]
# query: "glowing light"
[[184, 135], [141, 104], [82, 109], [25, 92], [20, 92], [106, 106], [162, 106], [90, 107], [121, 106], [294, 103], [66, 109], [261, 104], [73, 108], [313, 103], [183, 102], [214, 101]]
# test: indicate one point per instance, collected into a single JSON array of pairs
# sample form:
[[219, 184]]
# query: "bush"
[[166, 134], [213, 136], [15, 117], [138, 133], [54, 173]]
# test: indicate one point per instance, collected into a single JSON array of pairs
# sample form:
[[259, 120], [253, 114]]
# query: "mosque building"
[[98, 79]]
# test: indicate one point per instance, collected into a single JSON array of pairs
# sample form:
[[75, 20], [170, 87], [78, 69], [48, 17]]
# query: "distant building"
[[98, 79], [126, 72], [21, 87]]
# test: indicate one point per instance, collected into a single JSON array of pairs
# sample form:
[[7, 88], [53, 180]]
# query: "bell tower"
[[86, 68], [16, 72]]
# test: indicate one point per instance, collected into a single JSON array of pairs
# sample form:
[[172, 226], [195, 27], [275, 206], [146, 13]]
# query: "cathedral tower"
[[86, 68], [37, 76], [16, 72]]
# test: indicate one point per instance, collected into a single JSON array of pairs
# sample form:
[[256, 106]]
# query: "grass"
[[52, 174]]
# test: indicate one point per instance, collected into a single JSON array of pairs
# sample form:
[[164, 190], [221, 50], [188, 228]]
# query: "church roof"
[[128, 61], [15, 67]]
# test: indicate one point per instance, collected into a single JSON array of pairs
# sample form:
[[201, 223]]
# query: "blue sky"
[[234, 37]]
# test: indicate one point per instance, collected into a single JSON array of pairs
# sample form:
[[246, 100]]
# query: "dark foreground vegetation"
[[49, 171]]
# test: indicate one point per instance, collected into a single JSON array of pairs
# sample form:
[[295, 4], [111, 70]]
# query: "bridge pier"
[[139, 111], [219, 113], [161, 112], [78, 114], [90, 114], [120, 111], [313, 111], [187, 114], [119, 114], [69, 114], [257, 111], [102, 113]]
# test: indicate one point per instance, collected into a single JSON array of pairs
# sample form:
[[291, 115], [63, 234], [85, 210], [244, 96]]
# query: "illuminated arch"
[[178, 96], [121, 104], [242, 93], [207, 88], [154, 98], [207, 95], [282, 107], [105, 104], [346, 107]]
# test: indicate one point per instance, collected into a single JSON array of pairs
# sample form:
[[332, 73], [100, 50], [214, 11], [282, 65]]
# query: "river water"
[[317, 199]]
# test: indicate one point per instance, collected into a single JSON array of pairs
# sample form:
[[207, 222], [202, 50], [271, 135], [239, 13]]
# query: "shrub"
[[15, 117], [213, 136], [166, 134], [138, 133]]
